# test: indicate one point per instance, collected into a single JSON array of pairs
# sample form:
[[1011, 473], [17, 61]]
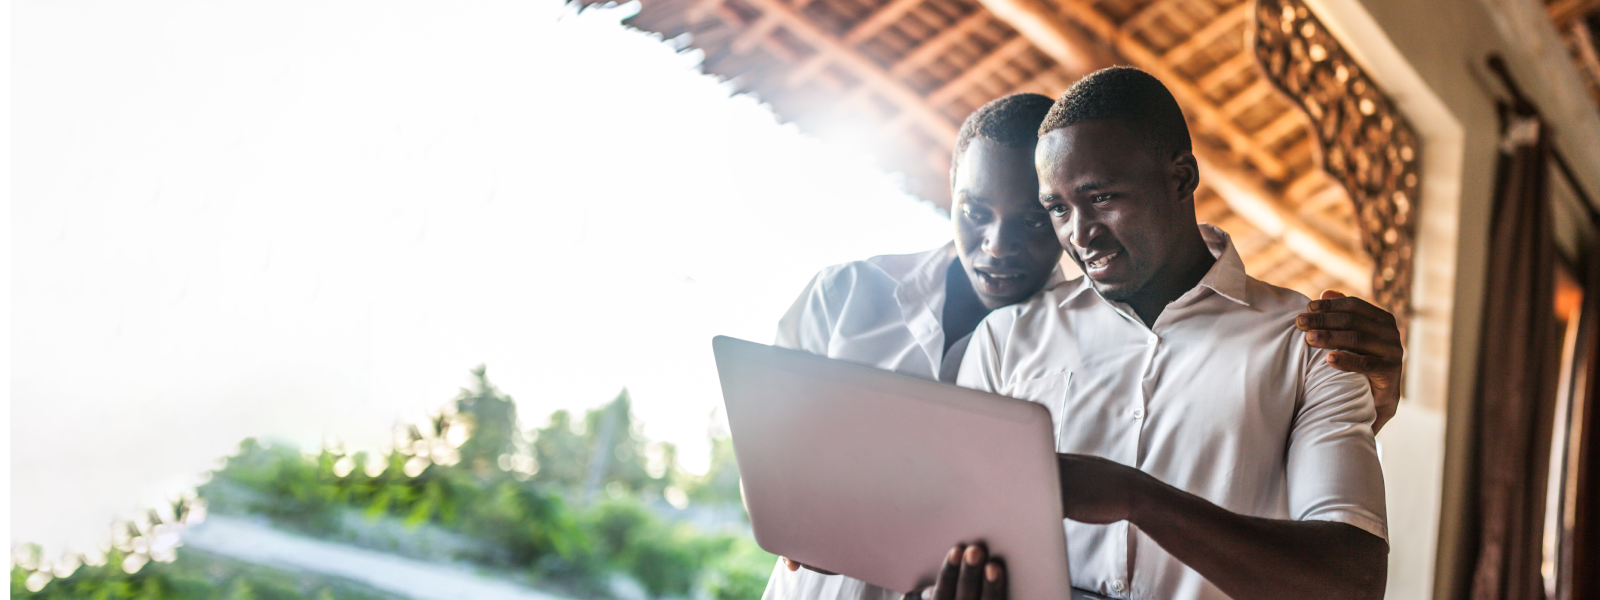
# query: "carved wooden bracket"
[[1365, 143]]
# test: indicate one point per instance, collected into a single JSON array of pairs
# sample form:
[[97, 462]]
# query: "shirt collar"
[[927, 278], [1226, 276]]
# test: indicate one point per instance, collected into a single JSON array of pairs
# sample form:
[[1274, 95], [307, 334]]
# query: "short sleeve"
[[1333, 468]]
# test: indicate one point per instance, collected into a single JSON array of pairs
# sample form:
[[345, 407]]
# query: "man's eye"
[[1035, 222], [1057, 211], [973, 215], [1101, 198]]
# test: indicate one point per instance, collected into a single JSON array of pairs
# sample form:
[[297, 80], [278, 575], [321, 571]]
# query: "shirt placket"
[[1137, 414]]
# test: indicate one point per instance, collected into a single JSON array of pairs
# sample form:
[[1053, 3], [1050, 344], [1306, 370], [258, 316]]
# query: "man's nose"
[[1081, 231], [1002, 240]]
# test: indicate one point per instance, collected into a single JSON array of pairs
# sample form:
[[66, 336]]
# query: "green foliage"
[[491, 418], [193, 576], [721, 483], [740, 573], [556, 525], [606, 448]]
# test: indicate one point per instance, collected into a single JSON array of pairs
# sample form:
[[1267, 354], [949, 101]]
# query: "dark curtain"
[[1582, 551], [1516, 384]]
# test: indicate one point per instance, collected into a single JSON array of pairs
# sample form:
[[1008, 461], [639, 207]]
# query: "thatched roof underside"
[[903, 74]]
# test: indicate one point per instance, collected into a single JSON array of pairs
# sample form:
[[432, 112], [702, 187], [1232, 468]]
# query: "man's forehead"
[[1091, 152]]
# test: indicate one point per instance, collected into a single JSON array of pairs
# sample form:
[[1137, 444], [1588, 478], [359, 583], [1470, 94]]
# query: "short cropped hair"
[[1011, 121], [1130, 95]]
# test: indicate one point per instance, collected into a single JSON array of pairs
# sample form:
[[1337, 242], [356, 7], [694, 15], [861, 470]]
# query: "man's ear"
[[1185, 174]]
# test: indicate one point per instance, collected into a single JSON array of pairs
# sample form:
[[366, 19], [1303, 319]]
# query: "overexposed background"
[[308, 220]]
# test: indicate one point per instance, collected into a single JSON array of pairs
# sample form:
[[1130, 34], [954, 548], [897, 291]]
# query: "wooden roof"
[[903, 74], [1578, 21]]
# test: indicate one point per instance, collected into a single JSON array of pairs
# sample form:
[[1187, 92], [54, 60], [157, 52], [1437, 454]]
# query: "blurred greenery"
[[567, 507], [194, 575]]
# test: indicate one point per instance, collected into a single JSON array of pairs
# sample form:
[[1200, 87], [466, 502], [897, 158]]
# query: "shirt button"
[[1116, 586], [1152, 341], [1138, 413]]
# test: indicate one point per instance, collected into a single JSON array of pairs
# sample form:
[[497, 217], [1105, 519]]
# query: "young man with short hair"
[[1208, 452]]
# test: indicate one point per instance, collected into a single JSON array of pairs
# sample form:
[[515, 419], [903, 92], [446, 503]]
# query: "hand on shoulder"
[[1364, 339]]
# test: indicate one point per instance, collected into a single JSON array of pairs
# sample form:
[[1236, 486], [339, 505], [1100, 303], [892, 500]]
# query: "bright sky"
[[298, 220]]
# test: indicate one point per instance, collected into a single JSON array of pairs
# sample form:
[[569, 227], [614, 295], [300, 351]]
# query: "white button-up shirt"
[[1221, 398], [885, 312]]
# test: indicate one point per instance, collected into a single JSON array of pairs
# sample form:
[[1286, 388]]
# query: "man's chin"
[[1115, 291], [998, 302]]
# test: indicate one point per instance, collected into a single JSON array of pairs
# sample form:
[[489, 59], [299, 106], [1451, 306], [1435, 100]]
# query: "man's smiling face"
[[1002, 233], [1116, 207]]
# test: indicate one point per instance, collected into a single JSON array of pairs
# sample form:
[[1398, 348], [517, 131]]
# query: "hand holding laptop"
[[967, 573]]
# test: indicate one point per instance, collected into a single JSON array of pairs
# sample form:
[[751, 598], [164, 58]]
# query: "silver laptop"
[[875, 475]]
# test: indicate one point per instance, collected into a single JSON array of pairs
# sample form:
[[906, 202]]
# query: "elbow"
[[1366, 575]]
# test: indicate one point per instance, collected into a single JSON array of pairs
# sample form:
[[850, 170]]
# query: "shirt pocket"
[[1049, 390]]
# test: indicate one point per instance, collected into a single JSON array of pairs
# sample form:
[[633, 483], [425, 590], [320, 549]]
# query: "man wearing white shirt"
[[913, 313], [1207, 451]]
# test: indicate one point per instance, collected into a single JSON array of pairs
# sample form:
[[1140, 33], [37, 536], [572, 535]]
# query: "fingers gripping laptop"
[[875, 475]]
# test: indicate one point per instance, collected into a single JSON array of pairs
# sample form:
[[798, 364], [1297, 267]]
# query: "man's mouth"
[[999, 283], [1101, 261], [1098, 265]]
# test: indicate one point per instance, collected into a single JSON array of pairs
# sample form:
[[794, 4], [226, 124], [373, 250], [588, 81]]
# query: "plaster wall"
[[1429, 56]]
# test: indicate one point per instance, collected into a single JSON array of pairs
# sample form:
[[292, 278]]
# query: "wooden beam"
[[1040, 79], [879, 20], [937, 45], [1243, 192], [1307, 183], [1141, 19], [1255, 204], [1324, 199], [754, 34], [860, 32], [869, 74], [1222, 24], [1246, 98], [984, 68], [1276, 130], [1224, 71], [1041, 23], [1586, 52], [1563, 12]]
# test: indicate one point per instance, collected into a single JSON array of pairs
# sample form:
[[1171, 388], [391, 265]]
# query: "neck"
[[1175, 280]]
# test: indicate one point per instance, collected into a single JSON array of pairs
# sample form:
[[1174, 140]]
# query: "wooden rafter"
[[936, 46], [1148, 14], [1254, 203], [1281, 127], [1244, 193], [909, 102], [1224, 71], [1219, 26], [879, 20], [979, 71], [1251, 95], [1567, 11], [860, 32]]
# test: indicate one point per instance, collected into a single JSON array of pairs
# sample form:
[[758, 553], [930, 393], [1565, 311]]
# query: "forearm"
[[1251, 557]]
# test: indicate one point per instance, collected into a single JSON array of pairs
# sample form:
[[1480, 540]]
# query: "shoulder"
[[1035, 312], [1273, 300], [903, 266], [887, 270]]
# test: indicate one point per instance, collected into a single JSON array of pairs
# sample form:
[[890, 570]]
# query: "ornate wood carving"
[[1366, 144]]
